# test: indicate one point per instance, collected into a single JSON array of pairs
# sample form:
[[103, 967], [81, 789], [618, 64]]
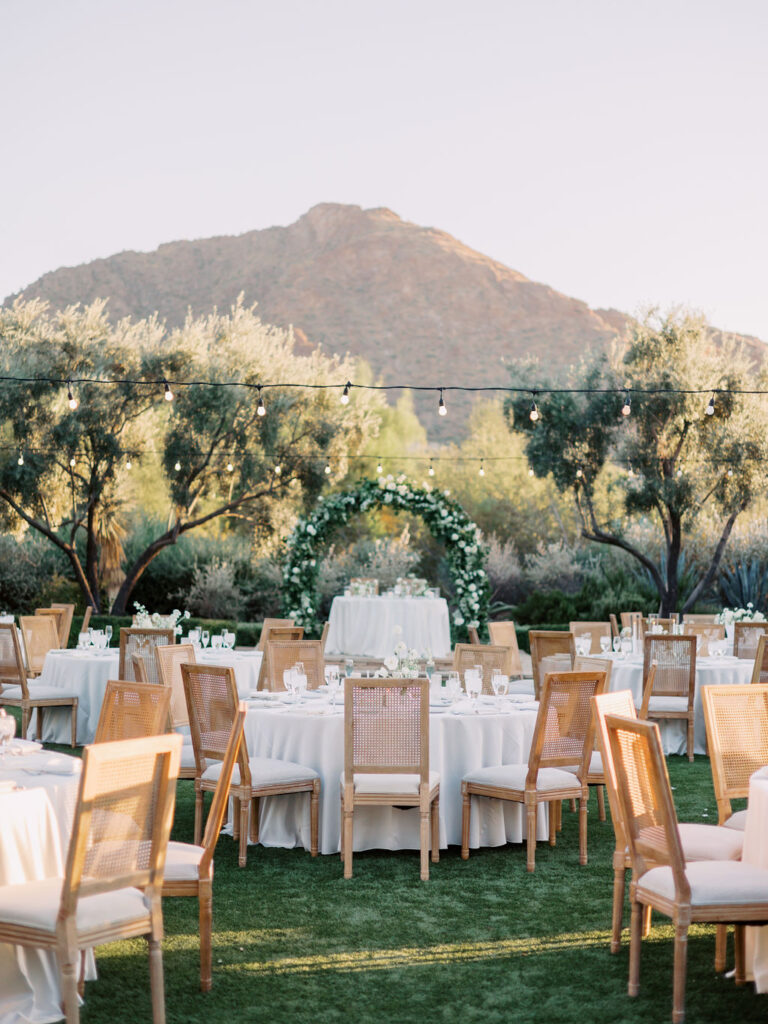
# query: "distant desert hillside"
[[418, 305]]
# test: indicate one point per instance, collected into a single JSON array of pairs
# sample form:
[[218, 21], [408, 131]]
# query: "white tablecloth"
[[245, 663], [365, 626], [85, 673], [627, 674], [755, 852], [312, 735], [48, 771]]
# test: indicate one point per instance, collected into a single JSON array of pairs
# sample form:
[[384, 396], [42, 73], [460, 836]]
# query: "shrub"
[[214, 592]]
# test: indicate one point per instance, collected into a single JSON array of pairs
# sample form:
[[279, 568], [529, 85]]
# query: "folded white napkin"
[[61, 764], [20, 747]]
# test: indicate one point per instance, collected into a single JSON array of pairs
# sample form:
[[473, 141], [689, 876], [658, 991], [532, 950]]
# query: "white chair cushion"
[[710, 842], [187, 756], [522, 686], [37, 692], [368, 783], [737, 821], [182, 862], [667, 704], [595, 765], [36, 905], [512, 776], [265, 771], [712, 881]]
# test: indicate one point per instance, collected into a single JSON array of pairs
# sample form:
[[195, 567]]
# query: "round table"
[[312, 734], [372, 626], [85, 673], [755, 852], [245, 663]]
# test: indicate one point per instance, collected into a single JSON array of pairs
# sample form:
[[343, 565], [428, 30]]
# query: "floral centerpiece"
[[411, 586], [143, 620], [362, 588], [403, 663], [730, 615]]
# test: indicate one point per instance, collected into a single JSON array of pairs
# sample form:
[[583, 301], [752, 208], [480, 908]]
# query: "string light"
[[442, 411], [679, 472], [167, 393], [481, 471], [730, 472], [710, 410], [345, 394], [278, 469], [72, 462], [73, 403], [631, 472], [260, 410], [530, 472], [177, 467], [579, 473], [379, 469], [128, 463], [534, 413], [327, 469], [20, 460], [431, 469], [626, 409], [230, 468]]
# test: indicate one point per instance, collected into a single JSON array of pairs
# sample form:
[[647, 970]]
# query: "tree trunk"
[[134, 573], [670, 592]]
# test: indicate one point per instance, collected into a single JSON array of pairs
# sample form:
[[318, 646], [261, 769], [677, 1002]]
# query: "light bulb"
[[345, 394], [710, 410], [626, 409], [327, 469], [530, 472], [167, 393], [72, 462], [679, 472], [260, 410], [442, 411], [579, 474], [230, 467], [129, 464], [20, 459], [481, 471], [534, 413], [730, 472], [379, 469], [177, 467], [278, 469], [72, 401], [631, 472], [431, 469]]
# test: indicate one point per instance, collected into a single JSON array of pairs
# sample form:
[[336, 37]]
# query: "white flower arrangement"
[[749, 614], [403, 663], [143, 620]]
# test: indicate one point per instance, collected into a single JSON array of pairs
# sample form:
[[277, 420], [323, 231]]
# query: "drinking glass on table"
[[229, 639], [499, 683], [216, 641], [334, 684], [473, 684], [83, 641], [194, 637], [605, 644], [617, 644], [205, 637], [453, 686], [300, 679], [7, 732], [349, 666], [289, 676], [108, 634]]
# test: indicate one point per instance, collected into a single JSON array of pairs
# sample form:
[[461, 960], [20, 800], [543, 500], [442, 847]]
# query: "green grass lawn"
[[481, 941]]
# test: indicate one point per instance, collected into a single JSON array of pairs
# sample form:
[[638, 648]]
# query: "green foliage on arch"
[[446, 520]]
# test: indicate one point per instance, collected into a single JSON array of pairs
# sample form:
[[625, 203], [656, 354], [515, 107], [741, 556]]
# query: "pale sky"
[[615, 150]]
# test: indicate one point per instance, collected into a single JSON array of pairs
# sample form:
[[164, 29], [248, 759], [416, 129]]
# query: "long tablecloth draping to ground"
[[627, 674], [368, 626], [755, 852], [313, 735]]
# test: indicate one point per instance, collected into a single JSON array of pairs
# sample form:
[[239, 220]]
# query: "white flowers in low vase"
[[749, 614], [143, 620], [403, 663]]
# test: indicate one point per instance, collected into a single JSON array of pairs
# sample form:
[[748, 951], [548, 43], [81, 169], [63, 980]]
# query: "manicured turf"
[[481, 941]]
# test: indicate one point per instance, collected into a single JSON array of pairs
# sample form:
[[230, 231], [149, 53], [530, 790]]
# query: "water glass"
[[626, 645], [83, 641], [499, 683], [300, 679], [7, 731], [473, 683], [229, 640], [605, 644], [349, 666], [583, 644], [453, 686], [216, 641], [288, 680], [617, 644], [205, 637]]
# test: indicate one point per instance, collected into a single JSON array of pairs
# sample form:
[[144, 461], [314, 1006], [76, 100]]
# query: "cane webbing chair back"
[[746, 636], [488, 658], [707, 631], [139, 669], [760, 668], [324, 636], [283, 655], [711, 619], [266, 626], [169, 661], [142, 642], [736, 718], [564, 733], [212, 703], [659, 624], [675, 658], [132, 710], [11, 659], [58, 615], [504, 634], [386, 727], [545, 642], [123, 817], [218, 809], [279, 634], [595, 630], [40, 636], [618, 703], [66, 622], [582, 663]]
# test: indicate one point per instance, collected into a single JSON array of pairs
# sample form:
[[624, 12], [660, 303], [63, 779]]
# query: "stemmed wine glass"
[[334, 684], [300, 679], [473, 684], [108, 634], [205, 637], [499, 683], [617, 644], [7, 732], [605, 644]]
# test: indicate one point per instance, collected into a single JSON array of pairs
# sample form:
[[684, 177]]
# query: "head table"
[[372, 626], [312, 734]]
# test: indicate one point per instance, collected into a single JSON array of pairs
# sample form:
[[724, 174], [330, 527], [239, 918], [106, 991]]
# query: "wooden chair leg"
[[647, 911], [70, 1002], [424, 844], [254, 819], [601, 802], [721, 947], [583, 830], [465, 812], [573, 806], [619, 884], [199, 813], [681, 963], [635, 930], [739, 954], [24, 722], [245, 806], [530, 810], [205, 906], [314, 818], [81, 976], [157, 984], [347, 839], [559, 815], [40, 722], [552, 822], [74, 724], [689, 742], [341, 829]]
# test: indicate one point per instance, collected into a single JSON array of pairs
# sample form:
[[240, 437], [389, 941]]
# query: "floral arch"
[[446, 520]]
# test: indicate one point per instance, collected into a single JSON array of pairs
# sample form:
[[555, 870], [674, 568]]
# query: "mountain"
[[414, 302]]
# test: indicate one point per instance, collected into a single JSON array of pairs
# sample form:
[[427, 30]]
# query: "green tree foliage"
[[73, 484], [668, 460]]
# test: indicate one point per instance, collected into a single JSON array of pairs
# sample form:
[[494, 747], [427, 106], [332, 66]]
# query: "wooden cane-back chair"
[[760, 668], [281, 656], [746, 636], [280, 634], [630, 620], [595, 631], [40, 635], [596, 773], [189, 869], [266, 626], [59, 617], [705, 891], [488, 658], [131, 710], [324, 636], [134, 640], [169, 660], [564, 736], [473, 636], [545, 642], [212, 705], [65, 625], [736, 718], [386, 758], [110, 889], [16, 691], [86, 619], [703, 619], [615, 631], [662, 624], [504, 634], [707, 631], [672, 692]]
